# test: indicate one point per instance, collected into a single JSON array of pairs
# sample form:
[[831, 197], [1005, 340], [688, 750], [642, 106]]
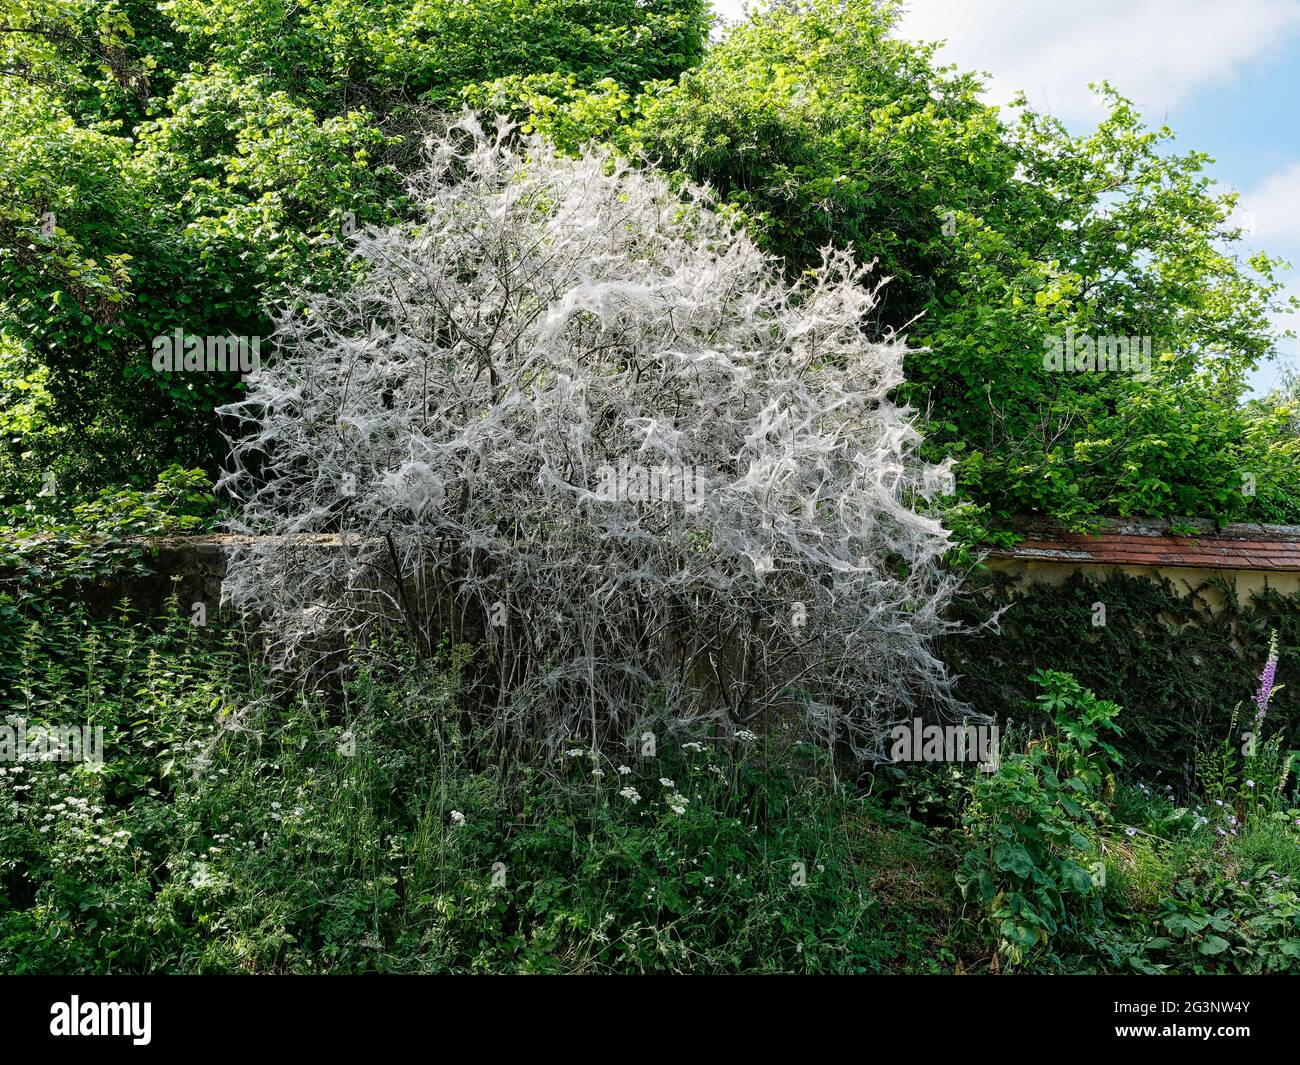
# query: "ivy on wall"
[[1177, 659]]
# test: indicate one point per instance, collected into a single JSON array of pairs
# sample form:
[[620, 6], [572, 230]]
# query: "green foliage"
[[239, 826], [334, 50], [1206, 889], [1248, 923], [54, 552], [1191, 891], [49, 546], [355, 824], [1028, 830], [183, 165], [1176, 658], [998, 232], [747, 875], [1081, 721]]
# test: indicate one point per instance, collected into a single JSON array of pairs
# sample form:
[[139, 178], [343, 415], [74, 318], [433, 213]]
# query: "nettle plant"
[[435, 444]]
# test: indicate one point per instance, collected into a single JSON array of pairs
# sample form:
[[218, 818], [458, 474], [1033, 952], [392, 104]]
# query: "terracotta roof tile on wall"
[[1151, 543]]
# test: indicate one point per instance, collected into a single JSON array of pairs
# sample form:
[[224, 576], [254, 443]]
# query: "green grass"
[[242, 823]]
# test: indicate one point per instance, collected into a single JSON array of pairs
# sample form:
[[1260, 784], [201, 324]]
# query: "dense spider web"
[[447, 419]]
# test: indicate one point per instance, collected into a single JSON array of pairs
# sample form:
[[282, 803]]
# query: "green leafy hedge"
[[1177, 659]]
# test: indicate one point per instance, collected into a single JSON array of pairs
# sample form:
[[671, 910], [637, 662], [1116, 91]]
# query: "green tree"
[[185, 164], [998, 231]]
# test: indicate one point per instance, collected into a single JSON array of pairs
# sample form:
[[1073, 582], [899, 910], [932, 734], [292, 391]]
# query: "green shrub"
[[244, 821], [352, 825], [1175, 659], [1247, 922], [1030, 857]]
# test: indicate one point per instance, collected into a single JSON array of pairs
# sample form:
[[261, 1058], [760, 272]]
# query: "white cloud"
[[1270, 375], [1274, 207], [731, 10], [1156, 52]]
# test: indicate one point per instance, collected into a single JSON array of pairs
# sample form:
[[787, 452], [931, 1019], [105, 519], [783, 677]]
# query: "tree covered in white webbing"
[[584, 409]]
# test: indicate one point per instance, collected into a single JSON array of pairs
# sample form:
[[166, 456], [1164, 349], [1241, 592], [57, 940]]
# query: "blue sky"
[[1223, 74]]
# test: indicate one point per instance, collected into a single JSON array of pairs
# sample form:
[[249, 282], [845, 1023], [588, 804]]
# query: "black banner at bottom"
[[142, 1015]]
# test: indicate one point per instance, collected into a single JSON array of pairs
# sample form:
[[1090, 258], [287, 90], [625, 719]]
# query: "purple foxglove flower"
[[1266, 683]]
